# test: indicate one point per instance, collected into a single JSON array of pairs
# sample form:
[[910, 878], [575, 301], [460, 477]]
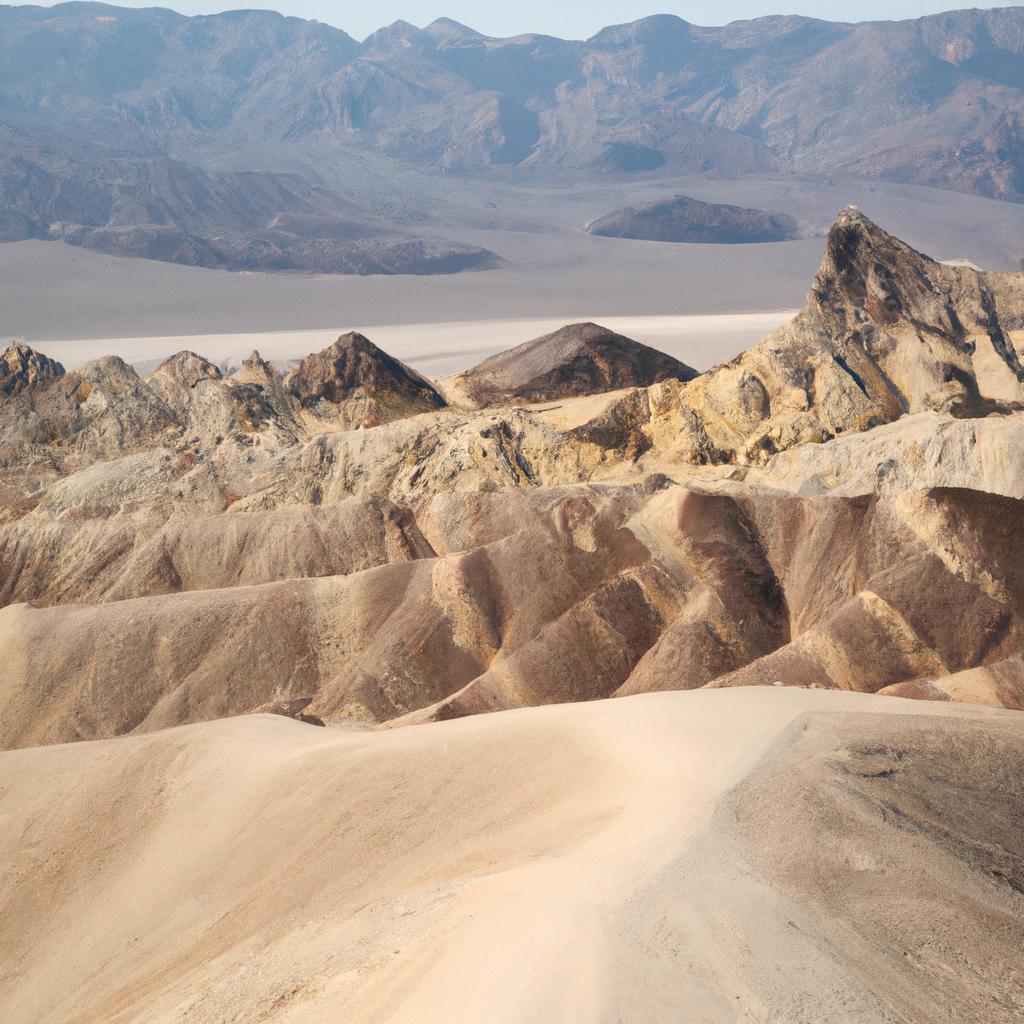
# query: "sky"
[[570, 19]]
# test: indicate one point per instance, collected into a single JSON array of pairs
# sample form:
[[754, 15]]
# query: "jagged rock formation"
[[353, 383], [20, 368], [683, 534], [579, 359], [682, 219], [94, 413], [886, 331]]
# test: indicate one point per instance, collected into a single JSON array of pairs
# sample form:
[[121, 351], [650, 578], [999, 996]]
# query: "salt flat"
[[437, 349]]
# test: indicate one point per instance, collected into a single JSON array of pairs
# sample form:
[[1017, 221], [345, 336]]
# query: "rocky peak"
[[354, 369], [186, 369], [256, 362], [887, 331], [869, 275], [22, 367], [448, 32], [397, 37], [256, 370], [111, 373]]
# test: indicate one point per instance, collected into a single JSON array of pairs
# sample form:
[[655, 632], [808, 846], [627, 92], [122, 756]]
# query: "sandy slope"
[[667, 857]]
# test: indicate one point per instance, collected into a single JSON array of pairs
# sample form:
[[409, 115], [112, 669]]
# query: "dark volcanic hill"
[[353, 382], [682, 219], [579, 359]]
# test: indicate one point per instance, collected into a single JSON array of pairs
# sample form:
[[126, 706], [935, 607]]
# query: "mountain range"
[[119, 124]]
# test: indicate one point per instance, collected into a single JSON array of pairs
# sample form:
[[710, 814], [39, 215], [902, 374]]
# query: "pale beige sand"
[[437, 349], [559, 864]]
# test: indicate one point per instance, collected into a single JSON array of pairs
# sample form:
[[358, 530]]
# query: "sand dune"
[[610, 861]]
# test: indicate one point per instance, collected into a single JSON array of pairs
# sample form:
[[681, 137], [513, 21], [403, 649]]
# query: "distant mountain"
[[148, 79], [107, 114], [154, 207], [938, 100], [682, 219]]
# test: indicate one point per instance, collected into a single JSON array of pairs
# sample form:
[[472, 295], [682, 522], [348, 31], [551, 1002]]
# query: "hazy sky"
[[567, 18]]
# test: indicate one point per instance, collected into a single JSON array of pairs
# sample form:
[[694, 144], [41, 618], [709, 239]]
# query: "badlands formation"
[[838, 508], [352, 545]]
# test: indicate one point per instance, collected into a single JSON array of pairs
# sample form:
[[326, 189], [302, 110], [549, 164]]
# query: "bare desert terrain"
[[748, 855], [511, 530]]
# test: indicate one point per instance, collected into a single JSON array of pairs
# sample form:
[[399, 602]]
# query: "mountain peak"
[[399, 35], [654, 26], [867, 273], [356, 381], [449, 30], [187, 368], [255, 361], [22, 367]]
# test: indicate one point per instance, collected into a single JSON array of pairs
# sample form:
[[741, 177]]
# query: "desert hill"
[[814, 855], [578, 359], [354, 383], [832, 509], [151, 206], [682, 219], [627, 592]]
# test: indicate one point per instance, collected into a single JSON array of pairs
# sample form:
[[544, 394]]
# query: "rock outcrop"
[[579, 359], [21, 367], [68, 420], [354, 383], [886, 331]]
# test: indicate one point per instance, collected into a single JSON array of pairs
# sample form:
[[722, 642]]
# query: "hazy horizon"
[[573, 20]]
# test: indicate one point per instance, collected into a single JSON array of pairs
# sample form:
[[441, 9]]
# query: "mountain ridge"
[[743, 96]]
